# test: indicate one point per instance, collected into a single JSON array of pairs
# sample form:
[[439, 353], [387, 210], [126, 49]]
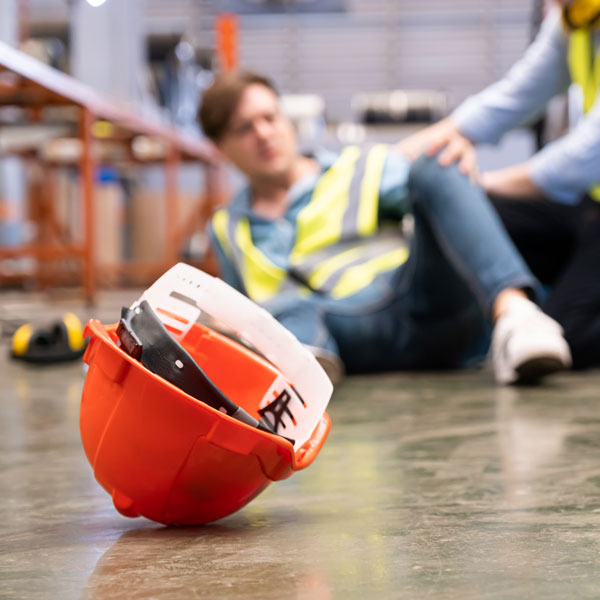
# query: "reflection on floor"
[[430, 485]]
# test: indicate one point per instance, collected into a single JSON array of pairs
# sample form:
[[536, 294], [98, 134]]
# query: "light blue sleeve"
[[393, 188], [565, 169], [521, 95], [227, 269]]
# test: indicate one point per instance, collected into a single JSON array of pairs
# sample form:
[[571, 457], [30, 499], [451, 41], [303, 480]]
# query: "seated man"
[[550, 204], [307, 239]]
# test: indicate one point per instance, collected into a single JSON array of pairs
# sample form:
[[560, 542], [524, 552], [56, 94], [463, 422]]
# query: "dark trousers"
[[561, 245]]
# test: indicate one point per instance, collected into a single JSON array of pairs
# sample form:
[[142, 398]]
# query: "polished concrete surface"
[[429, 486]]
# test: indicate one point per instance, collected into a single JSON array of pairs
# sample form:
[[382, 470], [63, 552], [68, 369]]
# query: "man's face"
[[259, 139]]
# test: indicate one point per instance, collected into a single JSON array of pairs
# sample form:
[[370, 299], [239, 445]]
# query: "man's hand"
[[511, 182], [415, 145], [456, 148], [442, 138]]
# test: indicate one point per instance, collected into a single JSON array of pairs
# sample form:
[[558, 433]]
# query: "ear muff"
[[20, 339], [74, 331], [59, 341], [582, 13]]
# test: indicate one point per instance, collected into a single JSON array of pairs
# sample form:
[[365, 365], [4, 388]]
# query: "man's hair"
[[220, 100]]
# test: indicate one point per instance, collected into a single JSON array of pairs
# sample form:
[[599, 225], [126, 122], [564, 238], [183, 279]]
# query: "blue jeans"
[[460, 259]]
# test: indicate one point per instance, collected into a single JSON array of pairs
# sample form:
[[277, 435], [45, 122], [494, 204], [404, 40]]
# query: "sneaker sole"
[[532, 370]]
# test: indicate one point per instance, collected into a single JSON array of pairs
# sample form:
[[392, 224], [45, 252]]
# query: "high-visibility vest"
[[338, 249], [584, 67]]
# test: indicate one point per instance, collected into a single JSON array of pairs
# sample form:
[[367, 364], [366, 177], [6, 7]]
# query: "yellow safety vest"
[[584, 67], [338, 249]]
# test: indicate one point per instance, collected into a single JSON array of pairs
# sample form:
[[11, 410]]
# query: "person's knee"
[[428, 179]]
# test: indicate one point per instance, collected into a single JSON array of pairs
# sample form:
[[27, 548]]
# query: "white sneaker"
[[527, 344]]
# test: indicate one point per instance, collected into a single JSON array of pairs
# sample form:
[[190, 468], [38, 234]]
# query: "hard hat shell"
[[167, 456]]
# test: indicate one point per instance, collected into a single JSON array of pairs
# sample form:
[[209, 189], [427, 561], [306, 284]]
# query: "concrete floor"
[[430, 485]]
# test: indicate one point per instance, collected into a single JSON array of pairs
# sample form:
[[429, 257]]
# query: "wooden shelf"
[[29, 84]]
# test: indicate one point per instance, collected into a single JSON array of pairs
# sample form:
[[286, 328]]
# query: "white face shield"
[[298, 396]]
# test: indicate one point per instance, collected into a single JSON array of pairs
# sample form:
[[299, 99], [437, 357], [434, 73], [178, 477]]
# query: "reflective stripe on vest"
[[336, 251], [585, 72], [344, 203], [261, 277], [353, 269]]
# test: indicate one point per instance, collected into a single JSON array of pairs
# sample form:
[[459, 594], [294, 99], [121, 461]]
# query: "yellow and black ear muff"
[[60, 341], [582, 13], [20, 340]]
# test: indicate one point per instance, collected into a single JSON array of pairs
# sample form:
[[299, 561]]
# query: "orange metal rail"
[[27, 83]]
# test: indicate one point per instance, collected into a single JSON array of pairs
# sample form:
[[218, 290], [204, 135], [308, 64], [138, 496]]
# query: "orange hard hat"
[[165, 455]]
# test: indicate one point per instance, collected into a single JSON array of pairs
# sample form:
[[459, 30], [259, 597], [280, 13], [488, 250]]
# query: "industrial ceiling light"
[[95, 3]]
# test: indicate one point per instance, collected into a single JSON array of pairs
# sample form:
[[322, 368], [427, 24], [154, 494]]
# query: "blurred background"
[[105, 179]]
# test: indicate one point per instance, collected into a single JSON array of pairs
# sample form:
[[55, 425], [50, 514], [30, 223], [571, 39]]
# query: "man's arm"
[[511, 182], [541, 73], [563, 171], [566, 168]]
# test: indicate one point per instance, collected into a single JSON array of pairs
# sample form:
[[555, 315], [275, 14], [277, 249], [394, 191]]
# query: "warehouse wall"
[[457, 46]]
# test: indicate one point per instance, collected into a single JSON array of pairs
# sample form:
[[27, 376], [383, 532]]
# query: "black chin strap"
[[143, 336]]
